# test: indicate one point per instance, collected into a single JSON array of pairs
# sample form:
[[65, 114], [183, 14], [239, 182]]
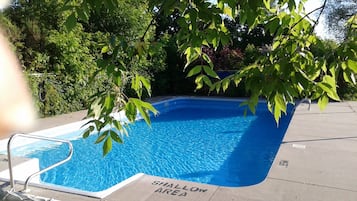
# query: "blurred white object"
[[16, 105], [4, 3]]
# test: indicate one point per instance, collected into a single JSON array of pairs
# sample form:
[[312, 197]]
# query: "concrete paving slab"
[[353, 105], [325, 126], [48, 193], [151, 188], [316, 166], [306, 142], [62, 196], [59, 120], [337, 107], [280, 190]]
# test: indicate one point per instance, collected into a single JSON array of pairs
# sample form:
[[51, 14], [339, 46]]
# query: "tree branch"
[[309, 13], [147, 28], [152, 22], [318, 18]]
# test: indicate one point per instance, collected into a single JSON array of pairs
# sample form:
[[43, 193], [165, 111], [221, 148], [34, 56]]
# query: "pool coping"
[[78, 125], [316, 180]]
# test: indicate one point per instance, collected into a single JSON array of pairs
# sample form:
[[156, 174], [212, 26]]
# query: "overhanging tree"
[[336, 15], [286, 71]]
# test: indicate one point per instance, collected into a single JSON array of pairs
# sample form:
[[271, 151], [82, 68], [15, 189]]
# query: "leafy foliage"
[[127, 60], [288, 69], [285, 71], [87, 56], [225, 58]]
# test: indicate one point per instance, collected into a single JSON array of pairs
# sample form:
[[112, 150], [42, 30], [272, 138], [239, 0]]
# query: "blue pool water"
[[206, 141]]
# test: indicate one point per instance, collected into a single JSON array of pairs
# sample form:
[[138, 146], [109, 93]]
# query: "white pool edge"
[[75, 126]]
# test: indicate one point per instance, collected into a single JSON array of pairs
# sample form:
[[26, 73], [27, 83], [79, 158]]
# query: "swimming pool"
[[201, 140]]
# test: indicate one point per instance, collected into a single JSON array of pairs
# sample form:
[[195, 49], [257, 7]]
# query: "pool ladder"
[[12, 182]]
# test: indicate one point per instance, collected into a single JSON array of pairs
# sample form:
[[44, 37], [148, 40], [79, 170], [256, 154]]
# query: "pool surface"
[[202, 140]]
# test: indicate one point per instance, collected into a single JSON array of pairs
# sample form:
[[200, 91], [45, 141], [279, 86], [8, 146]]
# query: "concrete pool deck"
[[317, 160]]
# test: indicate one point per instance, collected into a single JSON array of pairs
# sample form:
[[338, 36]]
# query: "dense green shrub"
[[61, 66]]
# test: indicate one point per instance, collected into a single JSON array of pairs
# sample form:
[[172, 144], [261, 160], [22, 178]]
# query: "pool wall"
[[60, 132]]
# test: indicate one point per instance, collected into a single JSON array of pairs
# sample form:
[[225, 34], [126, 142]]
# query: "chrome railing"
[[306, 100], [12, 182]]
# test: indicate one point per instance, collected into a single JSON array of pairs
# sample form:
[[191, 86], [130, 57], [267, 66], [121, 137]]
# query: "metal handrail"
[[308, 100], [12, 182]]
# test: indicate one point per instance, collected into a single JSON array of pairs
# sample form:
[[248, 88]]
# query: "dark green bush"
[[61, 66]]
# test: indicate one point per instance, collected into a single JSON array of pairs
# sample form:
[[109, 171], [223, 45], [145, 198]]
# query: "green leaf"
[[191, 55], [86, 133], [273, 25], [291, 5], [216, 86], [277, 114], [115, 137], [194, 71], [225, 84], [215, 42], [107, 146], [102, 137], [331, 92], [322, 102], [117, 125], [130, 111], [209, 71], [136, 85], [109, 102], [267, 4], [279, 106], [207, 59], [105, 49], [140, 47], [352, 65], [149, 107], [207, 81], [142, 107], [329, 85], [146, 83], [275, 45], [220, 4], [280, 101], [96, 107], [117, 78], [252, 103], [71, 22], [144, 114], [224, 41], [228, 11], [349, 77], [199, 81]]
